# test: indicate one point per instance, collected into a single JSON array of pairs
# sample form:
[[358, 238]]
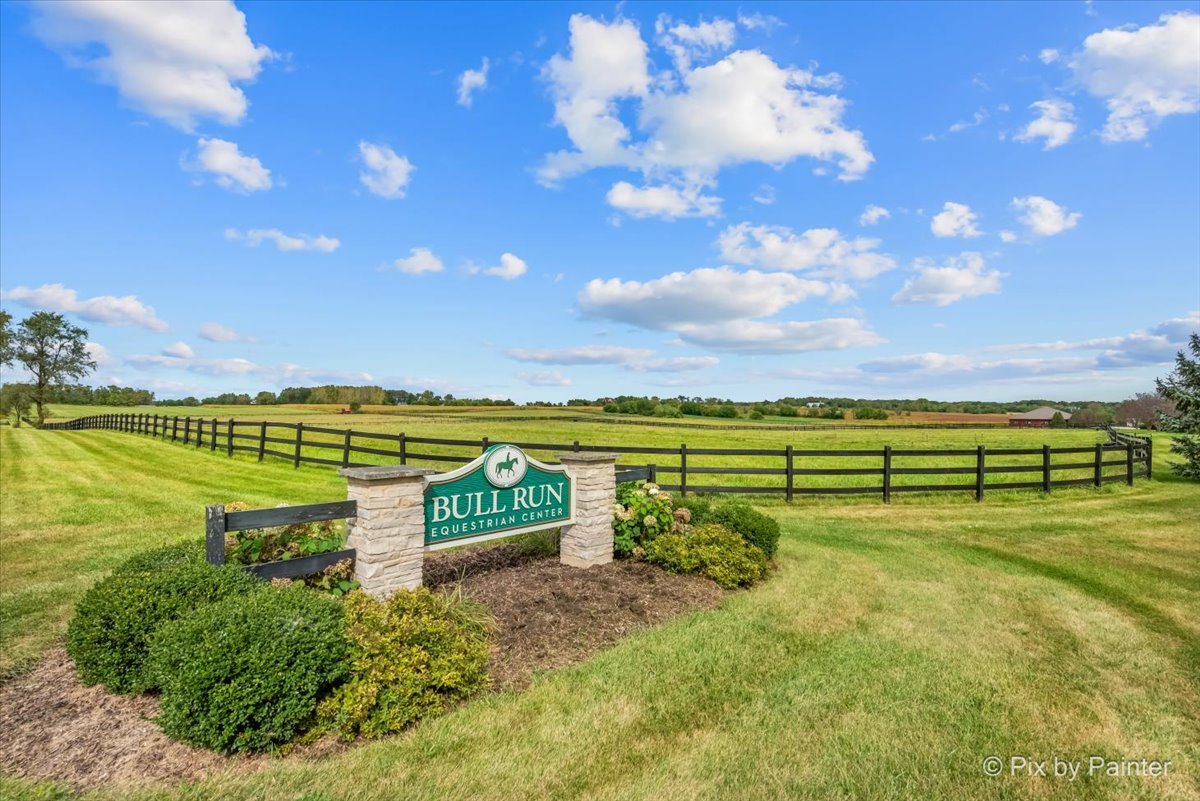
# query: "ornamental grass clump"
[[412, 656], [247, 674], [109, 637], [711, 550]]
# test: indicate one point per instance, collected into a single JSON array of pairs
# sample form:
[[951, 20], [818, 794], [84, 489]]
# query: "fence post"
[[229, 436], [1129, 463], [484, 443], [1099, 464], [1045, 468], [174, 428], [262, 439], [651, 474], [346, 450], [403, 449], [214, 534], [299, 441], [683, 469], [979, 474], [1149, 456], [575, 446], [187, 428], [790, 473], [887, 473], [214, 434]]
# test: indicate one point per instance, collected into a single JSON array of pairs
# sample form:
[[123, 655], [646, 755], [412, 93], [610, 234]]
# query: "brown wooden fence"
[[792, 471]]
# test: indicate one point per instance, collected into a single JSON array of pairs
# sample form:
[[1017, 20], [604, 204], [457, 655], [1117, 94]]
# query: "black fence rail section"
[[788, 471], [218, 523]]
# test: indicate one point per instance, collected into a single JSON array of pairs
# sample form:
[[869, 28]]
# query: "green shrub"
[[412, 655], [166, 556], [246, 674], [711, 550], [756, 415], [109, 636], [757, 528], [642, 512]]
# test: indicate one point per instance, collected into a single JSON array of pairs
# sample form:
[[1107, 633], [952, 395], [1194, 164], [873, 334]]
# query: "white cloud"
[[768, 113], [1044, 217], [822, 252], [386, 173], [285, 242], [642, 360], [757, 20], [99, 354], [107, 309], [1156, 345], [1008, 236], [1055, 124], [955, 219], [1143, 74], [583, 354], [277, 374], [768, 337], [706, 295], [960, 277], [1048, 55], [215, 332], [550, 378], [180, 350], [176, 61], [608, 62], [421, 260], [765, 195], [873, 214], [232, 169], [666, 202], [675, 364], [510, 267], [685, 42], [978, 118], [470, 82]]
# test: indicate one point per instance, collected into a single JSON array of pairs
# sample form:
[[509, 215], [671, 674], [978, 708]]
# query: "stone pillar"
[[590, 540], [388, 533]]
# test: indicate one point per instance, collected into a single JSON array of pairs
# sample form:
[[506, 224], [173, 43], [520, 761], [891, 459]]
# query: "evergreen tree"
[[1183, 387]]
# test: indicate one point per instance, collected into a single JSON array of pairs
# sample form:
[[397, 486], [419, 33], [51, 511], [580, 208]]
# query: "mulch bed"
[[547, 616]]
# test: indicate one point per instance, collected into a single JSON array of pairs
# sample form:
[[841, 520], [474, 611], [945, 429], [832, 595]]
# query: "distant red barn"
[[1038, 418]]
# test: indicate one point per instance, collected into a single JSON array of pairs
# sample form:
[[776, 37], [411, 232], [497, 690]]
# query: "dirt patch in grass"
[[547, 616]]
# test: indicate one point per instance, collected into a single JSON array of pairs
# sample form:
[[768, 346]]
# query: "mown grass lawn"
[[895, 648]]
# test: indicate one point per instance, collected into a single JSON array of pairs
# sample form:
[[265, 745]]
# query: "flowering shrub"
[[640, 514]]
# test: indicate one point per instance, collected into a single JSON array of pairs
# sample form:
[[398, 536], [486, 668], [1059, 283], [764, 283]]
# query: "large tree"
[[1183, 388], [1143, 410], [6, 339], [53, 351]]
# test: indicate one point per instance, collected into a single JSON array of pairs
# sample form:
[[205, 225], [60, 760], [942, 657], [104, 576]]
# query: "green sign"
[[502, 493]]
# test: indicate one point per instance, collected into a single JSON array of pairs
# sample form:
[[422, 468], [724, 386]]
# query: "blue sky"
[[991, 201]]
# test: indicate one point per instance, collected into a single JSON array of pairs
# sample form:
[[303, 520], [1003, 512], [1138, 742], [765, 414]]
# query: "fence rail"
[[218, 523], [783, 471]]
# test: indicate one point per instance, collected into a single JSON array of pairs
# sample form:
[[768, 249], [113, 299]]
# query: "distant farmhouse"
[[1038, 418]]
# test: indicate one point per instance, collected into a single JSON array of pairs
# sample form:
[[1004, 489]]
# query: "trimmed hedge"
[[413, 655], [247, 674], [109, 636], [758, 529], [712, 550]]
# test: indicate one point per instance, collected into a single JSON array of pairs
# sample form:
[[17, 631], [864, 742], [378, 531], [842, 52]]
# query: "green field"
[[893, 650], [565, 426]]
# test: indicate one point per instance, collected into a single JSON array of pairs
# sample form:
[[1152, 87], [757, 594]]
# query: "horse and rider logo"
[[505, 466]]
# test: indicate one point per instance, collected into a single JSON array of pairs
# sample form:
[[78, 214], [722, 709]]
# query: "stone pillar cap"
[[384, 472], [579, 456]]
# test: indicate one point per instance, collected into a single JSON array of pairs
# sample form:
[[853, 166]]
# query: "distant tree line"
[[82, 395]]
